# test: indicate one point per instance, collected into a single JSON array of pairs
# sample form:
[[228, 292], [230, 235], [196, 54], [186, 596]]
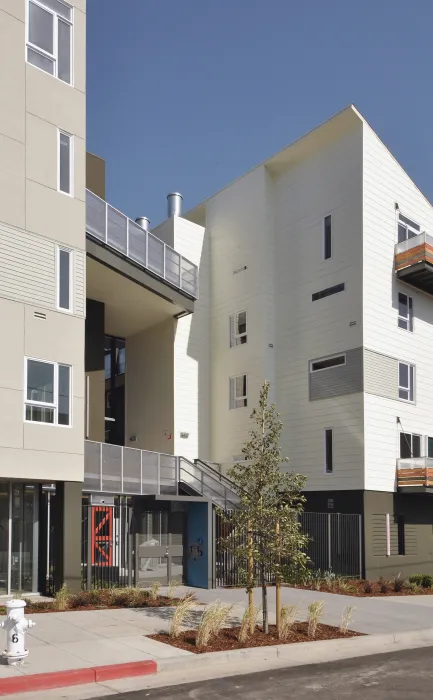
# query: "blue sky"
[[189, 95]]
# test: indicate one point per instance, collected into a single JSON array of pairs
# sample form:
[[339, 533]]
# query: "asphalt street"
[[404, 675]]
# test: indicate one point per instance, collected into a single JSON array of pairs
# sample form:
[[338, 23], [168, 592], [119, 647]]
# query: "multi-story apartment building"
[[42, 282], [133, 354], [321, 282]]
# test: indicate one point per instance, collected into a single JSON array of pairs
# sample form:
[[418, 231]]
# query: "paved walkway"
[[71, 640]]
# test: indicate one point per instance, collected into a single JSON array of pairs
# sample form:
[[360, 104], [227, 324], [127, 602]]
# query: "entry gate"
[[121, 547]]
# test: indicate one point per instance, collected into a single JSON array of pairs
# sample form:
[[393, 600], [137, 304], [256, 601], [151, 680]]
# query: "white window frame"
[[238, 398], [55, 56], [326, 430], [234, 318], [45, 404], [409, 319], [324, 237], [411, 382], [60, 248], [422, 444], [71, 162], [408, 227], [328, 357]]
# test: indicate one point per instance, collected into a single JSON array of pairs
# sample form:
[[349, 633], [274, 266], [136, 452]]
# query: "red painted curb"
[[79, 676]]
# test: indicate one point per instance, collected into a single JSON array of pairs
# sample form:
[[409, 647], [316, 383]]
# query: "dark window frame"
[[329, 291], [329, 450], [327, 237]]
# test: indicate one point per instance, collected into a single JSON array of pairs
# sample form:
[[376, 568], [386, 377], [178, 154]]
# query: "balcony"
[[415, 475], [414, 262], [112, 228]]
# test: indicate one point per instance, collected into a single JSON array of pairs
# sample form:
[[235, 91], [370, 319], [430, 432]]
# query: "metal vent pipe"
[[174, 204], [143, 221]]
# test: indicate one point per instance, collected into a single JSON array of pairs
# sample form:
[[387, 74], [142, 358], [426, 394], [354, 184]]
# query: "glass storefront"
[[19, 535]]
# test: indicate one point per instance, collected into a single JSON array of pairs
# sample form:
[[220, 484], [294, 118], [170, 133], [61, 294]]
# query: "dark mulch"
[[356, 588], [228, 638], [80, 603]]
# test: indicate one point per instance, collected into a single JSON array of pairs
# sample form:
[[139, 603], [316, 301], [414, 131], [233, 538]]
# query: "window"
[[49, 37], [65, 163], [410, 445], [238, 391], [64, 279], [327, 241], [328, 292], [327, 363], [405, 312], [430, 447], [238, 329], [407, 228], [48, 392], [406, 374], [328, 451]]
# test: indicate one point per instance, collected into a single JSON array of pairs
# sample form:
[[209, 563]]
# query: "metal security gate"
[[106, 546], [335, 545], [126, 546]]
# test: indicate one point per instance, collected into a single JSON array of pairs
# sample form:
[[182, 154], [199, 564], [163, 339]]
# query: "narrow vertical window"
[[238, 329], [65, 164], [64, 279], [327, 234], [238, 391], [405, 312], [64, 406], [329, 466], [406, 381]]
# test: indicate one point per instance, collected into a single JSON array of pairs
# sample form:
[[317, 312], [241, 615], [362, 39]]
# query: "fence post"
[[89, 547], [129, 511], [158, 475], [329, 543]]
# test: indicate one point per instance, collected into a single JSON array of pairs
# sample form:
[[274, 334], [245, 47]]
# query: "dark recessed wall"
[[95, 336]]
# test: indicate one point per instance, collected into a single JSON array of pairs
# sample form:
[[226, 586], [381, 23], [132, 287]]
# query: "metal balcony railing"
[[413, 250], [110, 226], [415, 471]]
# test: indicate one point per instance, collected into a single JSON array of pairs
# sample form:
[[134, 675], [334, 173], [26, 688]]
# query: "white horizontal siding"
[[80, 282], [386, 185]]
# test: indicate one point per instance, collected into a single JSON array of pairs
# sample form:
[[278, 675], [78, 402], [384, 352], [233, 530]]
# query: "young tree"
[[265, 530]]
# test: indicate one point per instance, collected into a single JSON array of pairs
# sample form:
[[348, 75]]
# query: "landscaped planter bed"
[[227, 639], [361, 589]]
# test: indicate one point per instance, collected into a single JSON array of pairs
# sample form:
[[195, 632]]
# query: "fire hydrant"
[[16, 626]]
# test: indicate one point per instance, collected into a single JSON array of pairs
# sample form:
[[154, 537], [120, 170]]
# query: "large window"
[[405, 312], [238, 329], [410, 445], [329, 465], [407, 228], [406, 381], [65, 165], [327, 238], [238, 391], [47, 392], [64, 279], [49, 37]]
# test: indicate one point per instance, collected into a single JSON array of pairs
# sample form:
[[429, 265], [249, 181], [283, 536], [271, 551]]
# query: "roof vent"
[[174, 204], [143, 222]]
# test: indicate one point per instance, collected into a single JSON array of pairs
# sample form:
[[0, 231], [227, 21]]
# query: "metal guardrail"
[[415, 463], [126, 470], [419, 240], [108, 225]]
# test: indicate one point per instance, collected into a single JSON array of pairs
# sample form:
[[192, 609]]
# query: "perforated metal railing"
[[130, 471], [108, 225]]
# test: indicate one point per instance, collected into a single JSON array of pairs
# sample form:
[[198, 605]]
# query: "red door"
[[102, 535]]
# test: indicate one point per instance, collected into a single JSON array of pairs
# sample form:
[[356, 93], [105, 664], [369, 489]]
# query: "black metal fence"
[[335, 544]]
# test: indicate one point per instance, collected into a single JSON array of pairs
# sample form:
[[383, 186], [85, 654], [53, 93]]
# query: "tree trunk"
[[264, 601], [251, 581]]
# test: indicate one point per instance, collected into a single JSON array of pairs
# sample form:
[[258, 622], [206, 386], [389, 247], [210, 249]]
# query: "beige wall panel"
[[11, 418], [41, 465], [41, 151], [12, 354], [12, 76], [54, 438], [55, 215], [55, 101], [12, 182]]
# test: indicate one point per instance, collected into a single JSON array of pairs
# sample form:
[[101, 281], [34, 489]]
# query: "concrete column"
[[67, 540]]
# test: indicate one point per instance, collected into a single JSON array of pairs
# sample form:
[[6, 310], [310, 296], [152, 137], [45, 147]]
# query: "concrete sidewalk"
[[85, 639]]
